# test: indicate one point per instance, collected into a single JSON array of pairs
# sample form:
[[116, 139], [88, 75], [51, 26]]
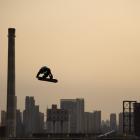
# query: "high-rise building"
[[11, 98], [113, 121], [105, 126], [88, 122], [3, 118], [38, 120], [75, 108], [70, 105], [19, 125], [28, 115], [120, 129], [97, 121], [31, 117], [127, 122], [41, 122], [57, 120], [80, 115]]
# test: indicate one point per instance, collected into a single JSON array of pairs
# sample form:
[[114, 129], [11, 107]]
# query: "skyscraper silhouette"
[[33, 120], [75, 108], [113, 121]]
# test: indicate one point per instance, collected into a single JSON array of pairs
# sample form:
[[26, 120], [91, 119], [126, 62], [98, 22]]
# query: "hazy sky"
[[92, 47]]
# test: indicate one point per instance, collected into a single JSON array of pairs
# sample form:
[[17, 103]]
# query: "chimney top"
[[11, 32]]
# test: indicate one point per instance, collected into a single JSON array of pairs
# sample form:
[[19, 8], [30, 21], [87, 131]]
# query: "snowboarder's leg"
[[45, 75], [51, 76]]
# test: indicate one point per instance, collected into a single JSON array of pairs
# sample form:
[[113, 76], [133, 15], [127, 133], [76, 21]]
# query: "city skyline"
[[92, 48], [69, 118], [65, 104]]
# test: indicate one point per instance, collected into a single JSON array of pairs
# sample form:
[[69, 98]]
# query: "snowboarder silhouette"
[[45, 74]]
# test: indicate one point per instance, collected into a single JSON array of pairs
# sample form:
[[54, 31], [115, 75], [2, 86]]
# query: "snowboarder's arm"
[[38, 74]]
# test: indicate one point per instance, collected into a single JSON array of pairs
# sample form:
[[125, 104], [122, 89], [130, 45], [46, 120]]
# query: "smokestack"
[[11, 98]]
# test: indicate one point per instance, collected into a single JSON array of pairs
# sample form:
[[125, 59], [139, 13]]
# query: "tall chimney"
[[11, 98]]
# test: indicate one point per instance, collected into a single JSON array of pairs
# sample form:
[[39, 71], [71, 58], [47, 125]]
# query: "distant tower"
[[97, 121], [113, 121], [11, 98]]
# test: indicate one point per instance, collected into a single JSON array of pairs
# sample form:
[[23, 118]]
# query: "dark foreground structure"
[[137, 119], [74, 136]]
